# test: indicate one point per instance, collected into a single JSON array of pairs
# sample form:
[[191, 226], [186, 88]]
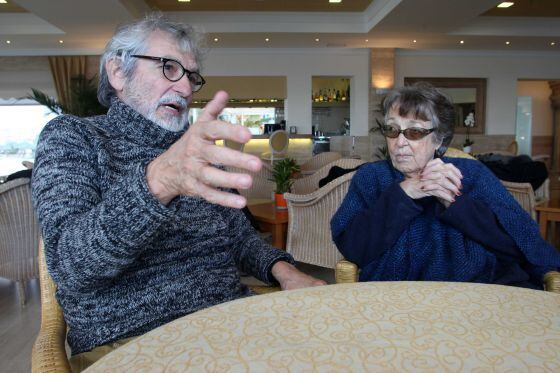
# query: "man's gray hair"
[[132, 39]]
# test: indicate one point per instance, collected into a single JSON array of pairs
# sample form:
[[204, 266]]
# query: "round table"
[[376, 326]]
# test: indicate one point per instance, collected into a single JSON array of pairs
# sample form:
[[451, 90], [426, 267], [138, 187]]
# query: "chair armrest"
[[346, 272], [552, 282], [49, 350]]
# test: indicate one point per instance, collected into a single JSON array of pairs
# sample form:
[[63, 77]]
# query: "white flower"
[[469, 120]]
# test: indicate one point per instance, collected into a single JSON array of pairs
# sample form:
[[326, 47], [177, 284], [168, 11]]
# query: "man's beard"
[[170, 122]]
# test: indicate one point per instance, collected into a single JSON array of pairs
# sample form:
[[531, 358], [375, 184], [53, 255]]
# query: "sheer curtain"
[[63, 68]]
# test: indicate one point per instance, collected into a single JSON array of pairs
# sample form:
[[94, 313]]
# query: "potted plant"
[[283, 174], [469, 123]]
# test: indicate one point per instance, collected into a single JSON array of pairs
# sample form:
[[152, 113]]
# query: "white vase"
[[467, 149]]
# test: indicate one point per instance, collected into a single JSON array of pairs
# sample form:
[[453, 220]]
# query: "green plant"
[[283, 174], [82, 101]]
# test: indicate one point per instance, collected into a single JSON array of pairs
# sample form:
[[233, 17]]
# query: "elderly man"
[[139, 226]]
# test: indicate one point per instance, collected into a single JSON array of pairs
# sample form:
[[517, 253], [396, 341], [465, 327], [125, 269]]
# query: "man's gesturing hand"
[[186, 167]]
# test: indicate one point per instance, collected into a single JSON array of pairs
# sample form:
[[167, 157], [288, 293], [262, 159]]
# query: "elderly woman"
[[419, 216]]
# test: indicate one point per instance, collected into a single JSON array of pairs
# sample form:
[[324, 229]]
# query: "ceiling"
[[36, 27]]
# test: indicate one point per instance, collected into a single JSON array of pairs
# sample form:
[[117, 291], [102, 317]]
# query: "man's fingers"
[[214, 107], [219, 130], [221, 198], [228, 157], [215, 177]]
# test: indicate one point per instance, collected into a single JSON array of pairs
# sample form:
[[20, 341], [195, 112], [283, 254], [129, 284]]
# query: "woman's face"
[[410, 156]]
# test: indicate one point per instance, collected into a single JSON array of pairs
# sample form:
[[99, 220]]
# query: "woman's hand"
[[438, 179]]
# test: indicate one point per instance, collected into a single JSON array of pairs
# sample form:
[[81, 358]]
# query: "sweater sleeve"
[[90, 238], [253, 255], [477, 221], [374, 229]]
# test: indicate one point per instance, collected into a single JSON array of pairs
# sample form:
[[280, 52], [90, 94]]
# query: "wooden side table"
[[548, 211], [272, 220]]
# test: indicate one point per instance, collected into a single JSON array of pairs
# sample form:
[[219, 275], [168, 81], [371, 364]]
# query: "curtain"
[[63, 68]]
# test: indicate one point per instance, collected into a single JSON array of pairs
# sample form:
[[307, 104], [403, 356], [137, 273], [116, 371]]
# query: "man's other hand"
[[290, 277], [186, 167]]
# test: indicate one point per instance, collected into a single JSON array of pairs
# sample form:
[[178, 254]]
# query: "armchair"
[[309, 234], [19, 234], [318, 161], [310, 183], [49, 353]]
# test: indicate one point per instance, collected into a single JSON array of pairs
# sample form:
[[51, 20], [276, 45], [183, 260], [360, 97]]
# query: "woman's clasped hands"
[[438, 179]]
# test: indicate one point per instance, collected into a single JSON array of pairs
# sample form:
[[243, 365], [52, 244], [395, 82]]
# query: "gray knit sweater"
[[124, 263]]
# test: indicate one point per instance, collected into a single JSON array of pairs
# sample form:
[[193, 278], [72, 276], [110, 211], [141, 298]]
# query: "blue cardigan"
[[404, 239]]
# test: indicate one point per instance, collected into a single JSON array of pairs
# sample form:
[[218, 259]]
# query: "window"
[[21, 122], [254, 118]]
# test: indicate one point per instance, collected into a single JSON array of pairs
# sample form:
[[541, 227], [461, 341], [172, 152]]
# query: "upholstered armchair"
[[19, 234]]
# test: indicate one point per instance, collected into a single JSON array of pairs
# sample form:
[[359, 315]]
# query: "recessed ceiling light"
[[184, 1], [61, 41], [462, 42], [267, 40], [3, 2], [552, 44], [367, 40], [335, 1], [8, 42], [507, 42], [316, 39], [505, 4], [216, 40], [414, 41]]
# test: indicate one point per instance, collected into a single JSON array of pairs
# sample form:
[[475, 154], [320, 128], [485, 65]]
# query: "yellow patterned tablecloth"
[[383, 326]]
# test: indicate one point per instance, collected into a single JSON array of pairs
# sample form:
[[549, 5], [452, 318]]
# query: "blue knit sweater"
[[124, 263], [429, 247]]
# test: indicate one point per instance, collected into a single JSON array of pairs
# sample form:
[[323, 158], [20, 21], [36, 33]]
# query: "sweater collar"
[[130, 124]]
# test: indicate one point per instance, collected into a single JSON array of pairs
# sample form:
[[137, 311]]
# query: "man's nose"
[[183, 86]]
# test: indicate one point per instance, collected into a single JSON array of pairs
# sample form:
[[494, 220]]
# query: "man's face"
[[151, 94]]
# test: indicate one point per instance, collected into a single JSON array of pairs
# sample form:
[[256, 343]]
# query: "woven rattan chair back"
[[310, 183], [19, 234]]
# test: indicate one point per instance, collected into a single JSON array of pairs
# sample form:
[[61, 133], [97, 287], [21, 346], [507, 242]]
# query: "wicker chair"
[[262, 188], [457, 153], [346, 271], [309, 236], [49, 353], [523, 194], [318, 161], [309, 184], [19, 234]]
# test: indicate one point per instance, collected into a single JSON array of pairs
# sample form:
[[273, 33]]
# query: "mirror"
[[468, 96]]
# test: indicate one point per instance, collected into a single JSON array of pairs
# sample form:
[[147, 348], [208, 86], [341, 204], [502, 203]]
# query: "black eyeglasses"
[[413, 133], [174, 71]]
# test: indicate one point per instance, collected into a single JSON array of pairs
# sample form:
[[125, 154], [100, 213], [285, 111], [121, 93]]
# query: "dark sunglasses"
[[413, 133]]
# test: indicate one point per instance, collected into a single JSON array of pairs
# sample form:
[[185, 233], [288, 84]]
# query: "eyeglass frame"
[[164, 60], [424, 131]]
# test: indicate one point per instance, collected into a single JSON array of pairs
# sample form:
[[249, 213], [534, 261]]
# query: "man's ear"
[[115, 75]]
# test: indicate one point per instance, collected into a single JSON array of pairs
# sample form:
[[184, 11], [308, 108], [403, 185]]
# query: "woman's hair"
[[425, 102], [133, 38]]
